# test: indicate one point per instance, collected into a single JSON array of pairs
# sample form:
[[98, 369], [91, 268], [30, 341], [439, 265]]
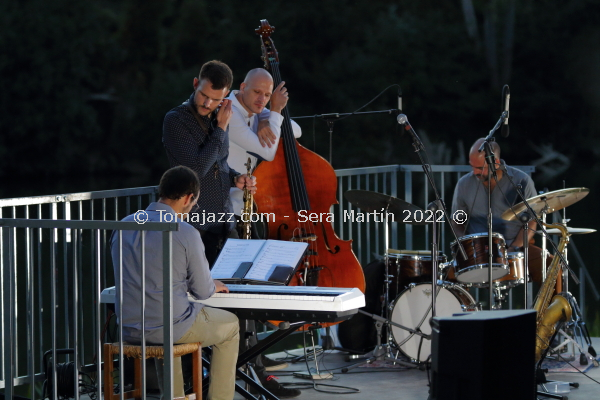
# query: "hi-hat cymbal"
[[572, 231], [378, 202], [549, 202]]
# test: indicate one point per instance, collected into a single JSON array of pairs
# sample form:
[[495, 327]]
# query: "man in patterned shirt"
[[195, 135]]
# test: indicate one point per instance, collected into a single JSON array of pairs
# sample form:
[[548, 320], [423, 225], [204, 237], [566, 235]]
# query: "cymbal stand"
[[381, 350], [525, 218], [565, 271], [534, 216], [544, 248]]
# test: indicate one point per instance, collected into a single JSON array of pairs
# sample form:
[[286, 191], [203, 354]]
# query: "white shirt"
[[244, 142]]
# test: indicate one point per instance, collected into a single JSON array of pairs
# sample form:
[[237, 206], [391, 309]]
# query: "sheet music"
[[264, 254], [235, 252], [274, 253]]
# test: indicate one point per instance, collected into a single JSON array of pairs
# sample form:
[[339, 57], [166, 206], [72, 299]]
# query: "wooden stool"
[[135, 351]]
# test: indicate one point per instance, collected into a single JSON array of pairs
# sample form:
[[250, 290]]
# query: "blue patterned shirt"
[[206, 153]]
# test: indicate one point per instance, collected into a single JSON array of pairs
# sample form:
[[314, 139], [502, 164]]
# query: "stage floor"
[[405, 384]]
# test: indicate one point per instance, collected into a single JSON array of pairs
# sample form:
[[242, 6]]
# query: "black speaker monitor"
[[485, 355]]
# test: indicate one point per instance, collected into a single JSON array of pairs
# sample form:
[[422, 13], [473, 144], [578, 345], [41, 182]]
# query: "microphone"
[[504, 130], [403, 121], [399, 100]]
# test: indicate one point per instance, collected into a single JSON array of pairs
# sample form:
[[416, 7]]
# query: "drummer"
[[471, 197]]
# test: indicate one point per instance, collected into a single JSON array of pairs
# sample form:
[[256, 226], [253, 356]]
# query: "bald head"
[[477, 159], [256, 90], [257, 74], [475, 148]]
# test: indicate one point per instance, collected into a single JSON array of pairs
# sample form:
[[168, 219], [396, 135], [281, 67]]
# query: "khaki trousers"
[[219, 329]]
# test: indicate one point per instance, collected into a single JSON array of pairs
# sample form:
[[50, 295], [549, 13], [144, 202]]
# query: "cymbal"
[[550, 202], [378, 202], [572, 231]]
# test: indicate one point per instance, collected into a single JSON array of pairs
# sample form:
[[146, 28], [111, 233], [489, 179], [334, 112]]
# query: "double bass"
[[299, 187]]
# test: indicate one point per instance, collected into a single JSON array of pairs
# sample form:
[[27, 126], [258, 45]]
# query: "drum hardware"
[[413, 307], [366, 200], [386, 205], [499, 297], [410, 266]]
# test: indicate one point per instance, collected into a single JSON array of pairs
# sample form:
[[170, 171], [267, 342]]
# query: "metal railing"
[[56, 240], [46, 308]]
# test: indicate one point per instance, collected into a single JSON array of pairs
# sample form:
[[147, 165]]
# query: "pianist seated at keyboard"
[[178, 192]]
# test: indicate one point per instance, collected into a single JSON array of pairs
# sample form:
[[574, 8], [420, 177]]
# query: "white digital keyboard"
[[288, 303]]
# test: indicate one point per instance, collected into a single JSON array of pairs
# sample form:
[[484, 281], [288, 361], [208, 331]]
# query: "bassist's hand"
[[265, 134], [279, 98]]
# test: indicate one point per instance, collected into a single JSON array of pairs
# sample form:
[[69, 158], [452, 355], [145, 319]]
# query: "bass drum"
[[412, 309]]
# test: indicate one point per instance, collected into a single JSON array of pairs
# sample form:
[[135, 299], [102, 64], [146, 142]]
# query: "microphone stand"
[[437, 204], [331, 118], [531, 213], [491, 162]]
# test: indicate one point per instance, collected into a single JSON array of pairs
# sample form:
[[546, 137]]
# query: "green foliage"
[[84, 87]]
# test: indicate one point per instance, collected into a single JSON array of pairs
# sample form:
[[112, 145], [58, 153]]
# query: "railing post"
[[168, 314], [8, 310]]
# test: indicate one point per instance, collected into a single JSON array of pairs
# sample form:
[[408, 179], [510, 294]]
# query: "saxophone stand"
[[577, 328], [540, 375]]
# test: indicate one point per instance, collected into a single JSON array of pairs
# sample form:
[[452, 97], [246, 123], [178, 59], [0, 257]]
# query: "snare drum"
[[475, 268], [412, 309], [516, 273], [410, 266]]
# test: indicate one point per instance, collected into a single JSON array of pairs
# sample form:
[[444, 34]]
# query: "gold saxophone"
[[550, 313], [247, 210]]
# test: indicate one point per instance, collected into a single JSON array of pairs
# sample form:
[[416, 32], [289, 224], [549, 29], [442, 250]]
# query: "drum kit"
[[406, 301]]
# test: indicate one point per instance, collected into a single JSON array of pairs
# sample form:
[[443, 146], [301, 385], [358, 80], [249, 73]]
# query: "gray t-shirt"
[[471, 197], [190, 274]]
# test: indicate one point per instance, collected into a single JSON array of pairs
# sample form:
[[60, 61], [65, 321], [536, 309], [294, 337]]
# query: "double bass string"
[[299, 193], [295, 174]]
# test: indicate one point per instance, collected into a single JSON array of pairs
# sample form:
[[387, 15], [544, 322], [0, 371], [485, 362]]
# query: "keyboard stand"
[[264, 344]]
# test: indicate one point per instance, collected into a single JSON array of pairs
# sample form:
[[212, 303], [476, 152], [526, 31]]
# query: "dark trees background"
[[84, 86]]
